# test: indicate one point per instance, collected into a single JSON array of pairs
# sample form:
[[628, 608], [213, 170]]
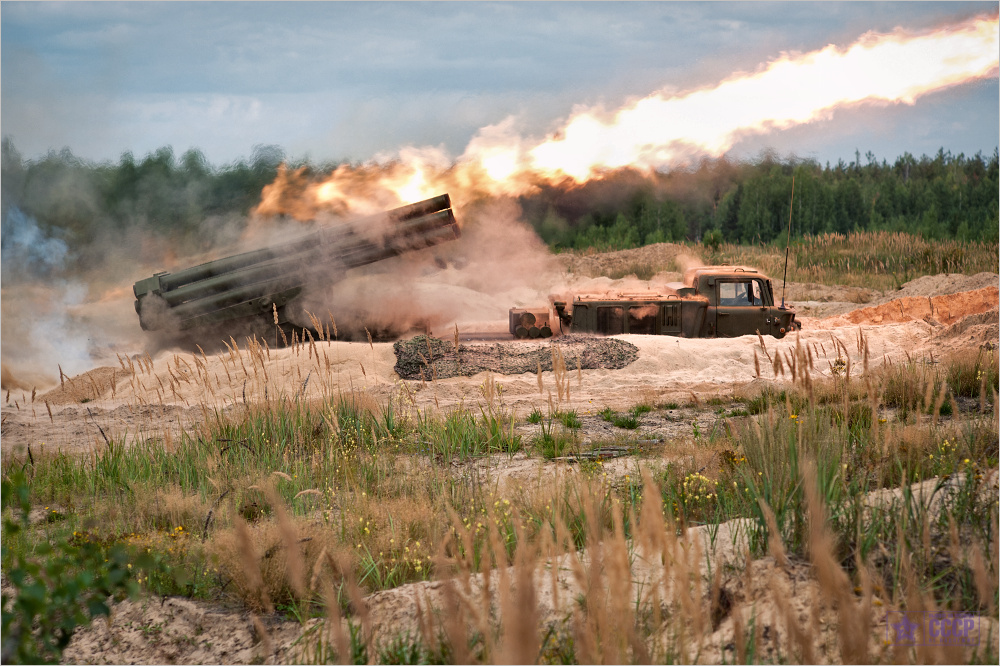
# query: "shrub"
[[712, 239], [974, 373], [58, 586]]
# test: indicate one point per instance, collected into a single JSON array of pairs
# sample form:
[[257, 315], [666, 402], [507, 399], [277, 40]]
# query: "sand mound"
[[810, 292], [87, 387], [945, 309], [987, 318], [425, 357], [980, 329], [173, 630], [940, 285], [649, 259]]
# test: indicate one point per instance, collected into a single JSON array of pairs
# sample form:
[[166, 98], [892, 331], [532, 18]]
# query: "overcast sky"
[[338, 80]]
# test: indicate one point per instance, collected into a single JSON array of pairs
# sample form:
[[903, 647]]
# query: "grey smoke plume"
[[37, 301], [26, 252]]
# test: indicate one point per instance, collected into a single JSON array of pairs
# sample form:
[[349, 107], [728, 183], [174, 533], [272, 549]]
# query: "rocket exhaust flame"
[[660, 130]]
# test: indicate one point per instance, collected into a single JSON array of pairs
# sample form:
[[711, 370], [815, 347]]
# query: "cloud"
[[335, 80]]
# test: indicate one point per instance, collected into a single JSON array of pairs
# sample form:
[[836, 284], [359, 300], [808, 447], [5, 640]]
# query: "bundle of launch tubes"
[[262, 281]]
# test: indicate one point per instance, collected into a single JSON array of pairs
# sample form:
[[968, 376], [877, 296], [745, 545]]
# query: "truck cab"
[[740, 302]]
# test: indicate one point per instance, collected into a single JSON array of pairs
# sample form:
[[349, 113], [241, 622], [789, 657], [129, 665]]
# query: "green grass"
[[463, 435], [972, 372], [854, 451], [569, 419], [55, 587], [385, 489], [628, 421], [553, 445], [558, 435]]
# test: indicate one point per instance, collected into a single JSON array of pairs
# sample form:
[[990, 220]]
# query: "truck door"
[[741, 308]]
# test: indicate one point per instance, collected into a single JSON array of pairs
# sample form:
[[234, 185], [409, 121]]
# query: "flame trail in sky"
[[666, 130], [792, 90]]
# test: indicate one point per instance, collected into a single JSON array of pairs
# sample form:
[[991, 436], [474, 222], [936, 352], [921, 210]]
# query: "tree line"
[[943, 196], [73, 197], [936, 197]]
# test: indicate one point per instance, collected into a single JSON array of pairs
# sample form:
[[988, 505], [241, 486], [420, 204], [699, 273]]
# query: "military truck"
[[712, 301], [266, 284]]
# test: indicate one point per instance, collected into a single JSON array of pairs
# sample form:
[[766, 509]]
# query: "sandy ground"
[[145, 397]]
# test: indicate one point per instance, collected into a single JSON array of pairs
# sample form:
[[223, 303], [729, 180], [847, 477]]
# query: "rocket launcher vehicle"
[[257, 283]]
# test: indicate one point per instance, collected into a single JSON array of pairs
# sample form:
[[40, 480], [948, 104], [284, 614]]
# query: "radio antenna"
[[788, 240]]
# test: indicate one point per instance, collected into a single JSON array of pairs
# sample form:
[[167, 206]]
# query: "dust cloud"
[[54, 317], [67, 309], [65, 316], [498, 262]]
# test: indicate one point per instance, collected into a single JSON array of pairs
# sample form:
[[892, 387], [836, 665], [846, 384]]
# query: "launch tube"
[[246, 284], [333, 236], [297, 267]]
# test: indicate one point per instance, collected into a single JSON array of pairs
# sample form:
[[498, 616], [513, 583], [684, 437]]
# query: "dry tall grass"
[[791, 536], [866, 260], [871, 259]]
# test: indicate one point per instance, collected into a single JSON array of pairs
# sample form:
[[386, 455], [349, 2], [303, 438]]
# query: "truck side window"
[[611, 320], [756, 298], [727, 293], [743, 294], [735, 293]]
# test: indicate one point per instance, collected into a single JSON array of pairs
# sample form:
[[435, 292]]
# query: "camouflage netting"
[[425, 357]]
